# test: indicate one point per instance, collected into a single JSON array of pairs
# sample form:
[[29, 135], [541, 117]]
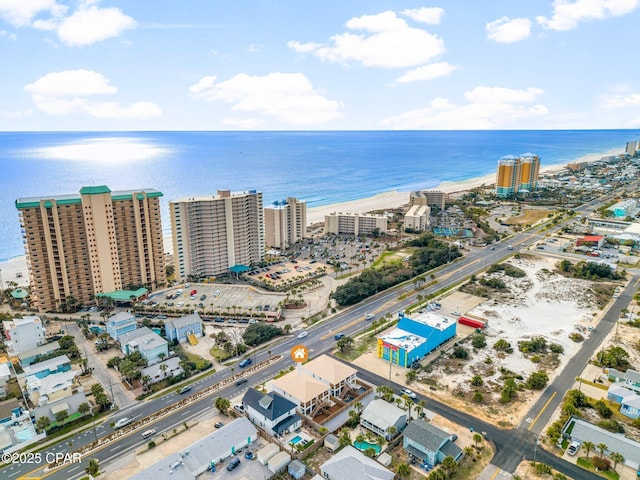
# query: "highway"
[[511, 445]]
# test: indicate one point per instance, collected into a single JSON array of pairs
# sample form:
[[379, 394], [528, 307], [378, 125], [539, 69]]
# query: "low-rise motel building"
[[415, 337]]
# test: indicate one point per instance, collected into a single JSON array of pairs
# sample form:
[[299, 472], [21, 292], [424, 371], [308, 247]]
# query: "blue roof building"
[[416, 337], [180, 328], [121, 323]]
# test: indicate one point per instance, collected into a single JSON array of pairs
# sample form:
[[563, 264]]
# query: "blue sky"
[[330, 65]]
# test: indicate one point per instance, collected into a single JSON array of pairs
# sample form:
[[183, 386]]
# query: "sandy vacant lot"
[[540, 304]]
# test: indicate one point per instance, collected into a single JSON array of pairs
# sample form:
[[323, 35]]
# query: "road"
[[511, 445]]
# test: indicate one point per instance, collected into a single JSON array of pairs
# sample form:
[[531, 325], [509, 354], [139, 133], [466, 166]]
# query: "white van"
[[148, 433]]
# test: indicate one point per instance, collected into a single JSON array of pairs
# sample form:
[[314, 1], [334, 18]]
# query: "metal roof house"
[[429, 443], [630, 406], [180, 328], [629, 379], [380, 415], [271, 411], [144, 340], [203, 454], [120, 323], [578, 430], [351, 464]]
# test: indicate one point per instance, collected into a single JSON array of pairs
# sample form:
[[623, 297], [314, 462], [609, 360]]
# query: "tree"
[[602, 447], [617, 458], [460, 352], [477, 439], [614, 357], [479, 341], [164, 367], [103, 401], [84, 408], [450, 465], [391, 431], [43, 423], [222, 404], [404, 471], [345, 343], [93, 468], [468, 450], [588, 446], [344, 438], [537, 380], [62, 416], [360, 438], [509, 390]]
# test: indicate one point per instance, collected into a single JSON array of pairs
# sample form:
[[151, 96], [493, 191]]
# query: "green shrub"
[[603, 409], [601, 463], [556, 348], [611, 425], [460, 352]]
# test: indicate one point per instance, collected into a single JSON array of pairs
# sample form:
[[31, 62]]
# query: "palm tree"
[[43, 423], [617, 458], [408, 403], [404, 471], [449, 465], [391, 431], [468, 450], [358, 407], [164, 368], [83, 408], [360, 438], [588, 446], [602, 447], [222, 404], [477, 439]]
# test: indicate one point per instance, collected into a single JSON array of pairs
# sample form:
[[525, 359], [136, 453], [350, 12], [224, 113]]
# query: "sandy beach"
[[16, 268]]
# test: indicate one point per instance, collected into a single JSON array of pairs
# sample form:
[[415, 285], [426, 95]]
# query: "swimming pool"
[[366, 446], [157, 331], [296, 439]]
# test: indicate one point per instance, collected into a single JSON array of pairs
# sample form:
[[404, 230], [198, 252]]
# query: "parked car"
[[233, 464], [193, 292], [203, 298], [218, 424], [573, 448]]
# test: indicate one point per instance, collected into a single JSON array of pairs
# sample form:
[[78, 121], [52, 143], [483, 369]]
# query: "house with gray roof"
[[380, 415], [157, 372], [630, 406], [144, 340], [616, 393], [120, 323], [428, 443], [200, 456], [629, 379], [180, 328], [271, 411], [351, 464], [33, 355], [580, 431]]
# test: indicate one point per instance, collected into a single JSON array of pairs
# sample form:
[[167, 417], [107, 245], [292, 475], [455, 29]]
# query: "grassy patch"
[[593, 384], [219, 354], [197, 359], [528, 217], [361, 346], [585, 463]]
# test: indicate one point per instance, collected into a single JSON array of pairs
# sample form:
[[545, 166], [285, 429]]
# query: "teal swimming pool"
[[296, 439], [366, 446]]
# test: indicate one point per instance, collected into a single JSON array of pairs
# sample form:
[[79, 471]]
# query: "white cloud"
[[620, 101], [242, 123], [86, 25], [488, 108], [287, 97], [428, 72], [78, 83], [69, 91], [568, 14], [93, 24], [384, 40], [20, 13], [22, 114], [506, 30], [429, 15]]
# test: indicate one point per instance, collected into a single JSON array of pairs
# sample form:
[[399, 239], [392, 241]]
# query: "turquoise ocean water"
[[321, 167]]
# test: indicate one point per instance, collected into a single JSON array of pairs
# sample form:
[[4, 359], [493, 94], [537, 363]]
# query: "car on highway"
[[368, 316], [184, 389], [123, 422], [245, 363], [408, 393], [218, 424], [303, 334], [242, 381], [338, 336]]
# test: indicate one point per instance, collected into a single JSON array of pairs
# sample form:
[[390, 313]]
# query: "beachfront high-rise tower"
[[285, 223], [516, 174], [213, 233], [79, 246]]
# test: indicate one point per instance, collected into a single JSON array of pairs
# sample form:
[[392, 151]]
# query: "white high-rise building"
[[23, 334], [285, 223], [213, 233]]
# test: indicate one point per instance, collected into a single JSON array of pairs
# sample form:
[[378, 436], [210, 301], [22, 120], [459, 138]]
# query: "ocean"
[[321, 167]]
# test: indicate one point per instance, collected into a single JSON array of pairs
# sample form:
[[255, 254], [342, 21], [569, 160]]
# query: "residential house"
[[351, 464], [23, 334], [297, 469], [629, 379], [34, 355], [630, 406], [151, 346], [616, 393], [312, 384], [157, 372], [69, 404], [576, 429], [54, 387], [5, 375], [121, 323], [379, 416], [180, 328], [52, 366], [16, 429], [205, 453], [271, 411], [428, 443]]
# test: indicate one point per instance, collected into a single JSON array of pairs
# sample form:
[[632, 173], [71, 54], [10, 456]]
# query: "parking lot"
[[288, 272], [218, 300]]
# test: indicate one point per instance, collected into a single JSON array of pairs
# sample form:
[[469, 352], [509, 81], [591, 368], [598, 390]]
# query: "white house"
[[150, 345], [23, 334], [351, 464], [271, 411], [379, 416]]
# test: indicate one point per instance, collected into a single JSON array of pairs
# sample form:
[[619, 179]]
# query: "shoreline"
[[9, 269]]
